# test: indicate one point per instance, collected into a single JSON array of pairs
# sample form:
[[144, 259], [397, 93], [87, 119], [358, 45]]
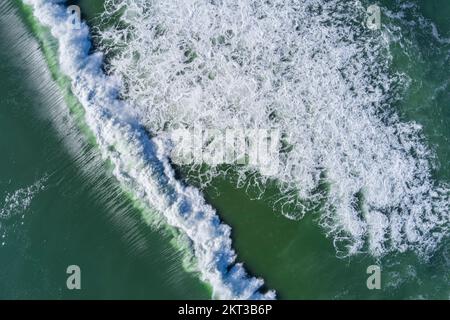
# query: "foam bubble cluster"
[[308, 68], [18, 201], [140, 163]]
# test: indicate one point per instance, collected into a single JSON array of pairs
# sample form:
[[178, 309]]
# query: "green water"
[[83, 218], [295, 257]]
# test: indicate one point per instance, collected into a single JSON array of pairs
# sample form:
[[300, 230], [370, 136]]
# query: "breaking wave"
[[141, 163]]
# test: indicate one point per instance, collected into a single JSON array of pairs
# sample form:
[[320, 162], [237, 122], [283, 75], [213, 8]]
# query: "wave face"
[[308, 68], [140, 163]]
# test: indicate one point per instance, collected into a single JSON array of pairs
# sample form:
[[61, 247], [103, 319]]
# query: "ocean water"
[[363, 182], [59, 204]]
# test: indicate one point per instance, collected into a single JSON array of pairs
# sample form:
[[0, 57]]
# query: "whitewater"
[[308, 68], [140, 163]]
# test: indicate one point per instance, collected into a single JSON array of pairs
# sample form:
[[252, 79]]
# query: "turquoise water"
[[78, 214]]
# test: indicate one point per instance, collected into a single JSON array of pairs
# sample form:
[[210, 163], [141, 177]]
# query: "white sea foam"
[[141, 163], [17, 202], [308, 68]]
